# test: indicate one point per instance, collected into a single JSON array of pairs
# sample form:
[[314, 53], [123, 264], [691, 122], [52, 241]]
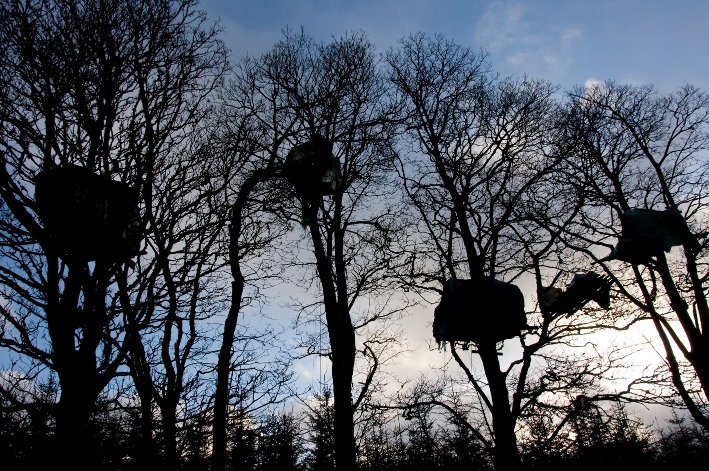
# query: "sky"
[[569, 43]]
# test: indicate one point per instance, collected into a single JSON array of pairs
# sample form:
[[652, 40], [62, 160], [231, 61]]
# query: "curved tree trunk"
[[221, 394]]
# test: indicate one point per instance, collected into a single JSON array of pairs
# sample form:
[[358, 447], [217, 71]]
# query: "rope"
[[320, 376]]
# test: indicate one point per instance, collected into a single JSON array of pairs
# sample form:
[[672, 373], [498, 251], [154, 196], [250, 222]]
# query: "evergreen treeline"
[[303, 441]]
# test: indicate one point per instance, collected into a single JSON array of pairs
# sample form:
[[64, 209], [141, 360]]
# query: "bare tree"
[[350, 235], [104, 92], [173, 291], [640, 161], [324, 107], [253, 198], [480, 174], [253, 124]]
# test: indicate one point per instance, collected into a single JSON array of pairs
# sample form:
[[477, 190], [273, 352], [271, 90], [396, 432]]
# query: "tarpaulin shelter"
[[584, 287], [645, 233], [478, 310], [312, 168], [86, 215]]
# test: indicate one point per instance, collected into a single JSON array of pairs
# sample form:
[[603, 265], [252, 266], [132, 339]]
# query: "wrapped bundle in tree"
[[647, 232], [584, 287], [312, 168], [86, 215], [479, 310]]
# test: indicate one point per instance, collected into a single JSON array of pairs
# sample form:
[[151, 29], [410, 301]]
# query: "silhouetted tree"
[[321, 434], [640, 162], [590, 437], [108, 358], [258, 381], [479, 156], [242, 454], [463, 450], [379, 447], [482, 174], [323, 107], [110, 89], [684, 445], [253, 198], [281, 445], [28, 424], [424, 440]]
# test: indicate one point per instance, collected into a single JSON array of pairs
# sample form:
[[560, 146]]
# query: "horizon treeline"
[[163, 206]]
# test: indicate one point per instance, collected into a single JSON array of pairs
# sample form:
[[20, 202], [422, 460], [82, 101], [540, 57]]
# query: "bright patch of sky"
[[566, 42]]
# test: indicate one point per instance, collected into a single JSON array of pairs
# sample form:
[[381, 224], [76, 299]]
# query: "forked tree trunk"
[[76, 364], [221, 394]]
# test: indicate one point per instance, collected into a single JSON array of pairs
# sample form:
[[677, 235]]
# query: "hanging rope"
[[321, 378]]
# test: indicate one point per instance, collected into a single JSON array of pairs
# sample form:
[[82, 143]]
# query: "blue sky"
[[658, 42], [566, 42]]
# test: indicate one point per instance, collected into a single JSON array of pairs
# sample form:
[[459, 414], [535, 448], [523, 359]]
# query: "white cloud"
[[592, 84], [592, 88], [502, 26], [511, 32], [570, 35]]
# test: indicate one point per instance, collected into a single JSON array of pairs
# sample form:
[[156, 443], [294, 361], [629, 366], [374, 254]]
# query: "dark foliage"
[[290, 442]]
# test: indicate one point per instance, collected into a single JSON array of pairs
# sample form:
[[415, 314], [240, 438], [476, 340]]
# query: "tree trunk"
[[506, 457], [698, 355], [169, 428], [74, 439], [342, 344], [146, 453], [342, 340], [76, 368], [221, 394]]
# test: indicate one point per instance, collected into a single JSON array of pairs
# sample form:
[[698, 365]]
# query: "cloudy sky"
[[566, 42], [569, 43]]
